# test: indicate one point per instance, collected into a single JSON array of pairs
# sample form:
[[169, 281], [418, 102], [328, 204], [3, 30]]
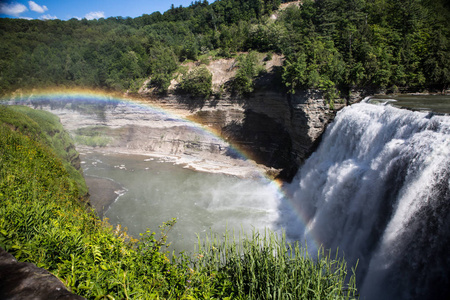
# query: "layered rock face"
[[272, 128], [276, 130]]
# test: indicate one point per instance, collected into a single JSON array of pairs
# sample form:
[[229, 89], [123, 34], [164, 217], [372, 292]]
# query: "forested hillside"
[[334, 45]]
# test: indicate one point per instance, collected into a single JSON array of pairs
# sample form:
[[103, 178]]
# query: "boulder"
[[20, 280]]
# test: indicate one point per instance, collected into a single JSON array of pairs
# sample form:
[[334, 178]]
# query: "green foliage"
[[163, 64], [197, 83], [247, 71], [46, 128], [294, 73], [268, 36], [265, 266], [330, 92]]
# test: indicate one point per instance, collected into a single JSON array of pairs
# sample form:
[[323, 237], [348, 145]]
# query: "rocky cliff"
[[273, 128], [276, 129]]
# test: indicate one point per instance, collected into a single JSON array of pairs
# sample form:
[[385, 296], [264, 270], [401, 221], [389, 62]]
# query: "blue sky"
[[89, 9]]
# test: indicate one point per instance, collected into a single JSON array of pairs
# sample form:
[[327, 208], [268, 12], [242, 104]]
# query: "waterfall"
[[378, 189]]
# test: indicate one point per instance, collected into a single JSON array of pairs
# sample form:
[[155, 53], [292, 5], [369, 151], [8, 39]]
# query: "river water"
[[435, 103], [150, 191]]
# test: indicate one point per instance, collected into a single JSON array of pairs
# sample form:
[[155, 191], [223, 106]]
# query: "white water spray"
[[378, 188]]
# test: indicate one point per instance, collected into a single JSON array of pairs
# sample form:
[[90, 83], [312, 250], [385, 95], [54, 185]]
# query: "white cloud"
[[95, 15], [36, 7], [48, 17], [13, 9]]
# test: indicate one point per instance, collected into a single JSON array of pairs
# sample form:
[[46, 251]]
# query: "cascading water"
[[378, 189]]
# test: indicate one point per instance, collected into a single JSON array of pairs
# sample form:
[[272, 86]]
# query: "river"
[[150, 191]]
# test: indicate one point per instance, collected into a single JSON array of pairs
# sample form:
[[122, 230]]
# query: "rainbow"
[[45, 95]]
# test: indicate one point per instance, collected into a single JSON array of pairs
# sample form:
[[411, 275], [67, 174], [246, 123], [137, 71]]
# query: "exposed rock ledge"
[[275, 130], [19, 280]]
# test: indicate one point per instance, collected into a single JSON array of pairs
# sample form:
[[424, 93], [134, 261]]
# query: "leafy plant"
[[197, 83], [248, 69]]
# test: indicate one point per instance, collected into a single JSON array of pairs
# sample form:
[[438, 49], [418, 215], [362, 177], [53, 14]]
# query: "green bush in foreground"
[[43, 222]]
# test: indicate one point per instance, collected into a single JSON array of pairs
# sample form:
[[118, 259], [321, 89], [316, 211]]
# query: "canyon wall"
[[276, 129], [273, 128]]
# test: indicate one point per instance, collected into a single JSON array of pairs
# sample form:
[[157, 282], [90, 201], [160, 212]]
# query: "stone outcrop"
[[273, 128], [19, 280]]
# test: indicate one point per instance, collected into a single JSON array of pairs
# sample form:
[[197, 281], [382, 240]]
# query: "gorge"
[[377, 188], [260, 119]]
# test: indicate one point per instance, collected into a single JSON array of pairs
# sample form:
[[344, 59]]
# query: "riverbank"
[[216, 163]]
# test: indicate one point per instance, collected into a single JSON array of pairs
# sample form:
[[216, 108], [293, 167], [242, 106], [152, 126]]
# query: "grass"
[[93, 136], [45, 128], [42, 221], [266, 266]]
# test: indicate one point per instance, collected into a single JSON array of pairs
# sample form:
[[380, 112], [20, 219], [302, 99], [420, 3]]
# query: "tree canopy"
[[335, 45]]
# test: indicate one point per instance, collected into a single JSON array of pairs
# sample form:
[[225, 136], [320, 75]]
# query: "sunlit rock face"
[[277, 130]]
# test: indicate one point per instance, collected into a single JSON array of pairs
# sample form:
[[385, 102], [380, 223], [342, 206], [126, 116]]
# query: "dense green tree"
[[197, 83], [162, 63], [247, 70]]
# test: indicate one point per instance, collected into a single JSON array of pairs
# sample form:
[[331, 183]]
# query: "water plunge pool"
[[150, 191]]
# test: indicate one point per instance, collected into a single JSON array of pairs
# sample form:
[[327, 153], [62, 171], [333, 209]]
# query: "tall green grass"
[[42, 221], [266, 266]]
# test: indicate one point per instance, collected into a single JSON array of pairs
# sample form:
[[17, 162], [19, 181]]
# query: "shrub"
[[248, 69], [197, 83]]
